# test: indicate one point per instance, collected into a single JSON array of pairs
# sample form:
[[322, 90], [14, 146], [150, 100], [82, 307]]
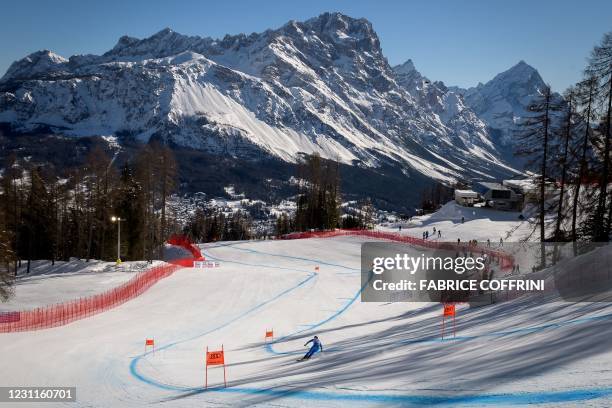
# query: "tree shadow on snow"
[[412, 353]]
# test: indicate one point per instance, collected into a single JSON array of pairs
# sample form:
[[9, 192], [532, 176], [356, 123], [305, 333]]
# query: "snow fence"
[[64, 313], [506, 260]]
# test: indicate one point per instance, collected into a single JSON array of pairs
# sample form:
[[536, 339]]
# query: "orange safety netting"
[[64, 313]]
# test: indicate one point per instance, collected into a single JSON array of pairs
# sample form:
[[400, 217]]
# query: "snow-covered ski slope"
[[375, 354], [48, 284], [479, 224]]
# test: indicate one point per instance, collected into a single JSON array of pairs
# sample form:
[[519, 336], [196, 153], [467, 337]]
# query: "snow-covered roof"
[[466, 193], [483, 186]]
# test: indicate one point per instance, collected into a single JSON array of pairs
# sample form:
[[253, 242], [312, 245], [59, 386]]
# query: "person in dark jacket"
[[316, 346]]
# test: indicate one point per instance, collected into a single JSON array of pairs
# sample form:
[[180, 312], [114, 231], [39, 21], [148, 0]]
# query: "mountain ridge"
[[322, 85]]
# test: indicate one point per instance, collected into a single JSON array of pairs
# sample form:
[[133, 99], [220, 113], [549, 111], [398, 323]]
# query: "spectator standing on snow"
[[462, 219], [501, 242], [426, 234], [439, 233], [316, 346]]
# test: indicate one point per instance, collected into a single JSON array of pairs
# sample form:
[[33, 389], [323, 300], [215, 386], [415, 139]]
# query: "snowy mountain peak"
[[502, 102], [39, 62], [405, 68], [521, 73], [335, 21], [341, 29], [322, 85], [161, 44], [124, 42]]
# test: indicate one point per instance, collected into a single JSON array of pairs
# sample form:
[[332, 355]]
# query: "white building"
[[466, 198], [499, 196]]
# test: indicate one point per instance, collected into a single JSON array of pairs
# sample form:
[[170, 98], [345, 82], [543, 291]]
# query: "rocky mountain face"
[[502, 103], [322, 85], [465, 129]]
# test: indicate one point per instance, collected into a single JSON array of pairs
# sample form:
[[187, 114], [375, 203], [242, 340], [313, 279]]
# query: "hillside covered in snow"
[[533, 350], [322, 85]]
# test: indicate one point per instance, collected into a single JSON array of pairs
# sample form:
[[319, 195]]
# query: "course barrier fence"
[[67, 312], [506, 260]]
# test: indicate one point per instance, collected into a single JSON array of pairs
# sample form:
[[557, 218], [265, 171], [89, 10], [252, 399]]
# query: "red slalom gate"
[[269, 334], [449, 311], [149, 343], [215, 358], [64, 313]]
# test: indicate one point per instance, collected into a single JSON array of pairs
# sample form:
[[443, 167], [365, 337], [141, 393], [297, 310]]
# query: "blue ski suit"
[[316, 346]]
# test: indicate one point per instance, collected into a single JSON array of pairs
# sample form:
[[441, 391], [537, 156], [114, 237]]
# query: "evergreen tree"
[[318, 199], [11, 205], [50, 215], [166, 173], [600, 67], [283, 225], [585, 94], [367, 211], [566, 136], [35, 227], [128, 207], [7, 257], [535, 138]]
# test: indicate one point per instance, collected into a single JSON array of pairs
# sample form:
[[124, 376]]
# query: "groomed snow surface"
[[48, 283], [375, 354]]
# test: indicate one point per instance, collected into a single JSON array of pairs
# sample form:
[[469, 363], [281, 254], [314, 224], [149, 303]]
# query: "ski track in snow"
[[523, 398]]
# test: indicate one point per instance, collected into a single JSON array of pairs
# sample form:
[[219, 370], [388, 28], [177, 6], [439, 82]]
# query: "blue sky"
[[458, 42]]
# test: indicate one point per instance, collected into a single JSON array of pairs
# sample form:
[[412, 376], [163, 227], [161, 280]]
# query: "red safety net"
[[185, 242], [64, 313], [506, 260]]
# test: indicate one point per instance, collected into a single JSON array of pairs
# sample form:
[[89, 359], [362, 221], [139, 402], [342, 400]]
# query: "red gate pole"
[[442, 327], [206, 383], [224, 376], [453, 326]]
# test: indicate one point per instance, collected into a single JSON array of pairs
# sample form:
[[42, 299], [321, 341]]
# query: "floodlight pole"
[[118, 221]]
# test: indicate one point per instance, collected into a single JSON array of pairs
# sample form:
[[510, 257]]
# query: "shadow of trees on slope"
[[411, 352]]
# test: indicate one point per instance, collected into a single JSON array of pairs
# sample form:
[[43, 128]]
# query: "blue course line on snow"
[[318, 261], [252, 264], [576, 393], [269, 346], [483, 399], [519, 398], [135, 361], [527, 398]]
